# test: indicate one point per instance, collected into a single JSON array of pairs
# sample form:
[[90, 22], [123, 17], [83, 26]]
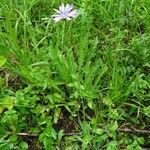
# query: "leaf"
[[60, 135], [1, 81], [23, 145], [146, 111], [112, 145], [39, 63], [99, 131], [47, 137], [56, 114], [3, 50], [7, 103], [112, 128], [140, 140], [2, 61], [90, 104], [1, 109]]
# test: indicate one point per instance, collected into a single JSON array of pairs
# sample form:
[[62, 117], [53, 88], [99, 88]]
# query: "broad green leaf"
[[2, 61], [23, 145], [99, 131], [6, 103], [1, 109], [90, 104]]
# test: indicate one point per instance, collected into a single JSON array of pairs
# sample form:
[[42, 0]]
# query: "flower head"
[[65, 12]]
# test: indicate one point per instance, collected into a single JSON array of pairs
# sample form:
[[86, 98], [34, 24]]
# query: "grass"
[[75, 84]]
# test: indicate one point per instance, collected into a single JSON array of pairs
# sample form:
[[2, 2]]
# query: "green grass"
[[74, 84]]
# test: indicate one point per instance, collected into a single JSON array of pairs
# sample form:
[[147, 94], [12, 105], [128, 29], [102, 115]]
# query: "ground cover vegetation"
[[78, 84]]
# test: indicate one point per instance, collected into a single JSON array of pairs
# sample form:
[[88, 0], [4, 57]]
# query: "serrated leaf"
[[60, 135]]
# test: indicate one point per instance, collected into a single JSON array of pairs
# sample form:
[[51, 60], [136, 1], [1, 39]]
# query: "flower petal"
[[57, 18], [62, 8], [68, 8], [73, 13], [68, 18]]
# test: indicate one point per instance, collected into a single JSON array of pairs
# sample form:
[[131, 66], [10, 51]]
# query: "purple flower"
[[65, 12]]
